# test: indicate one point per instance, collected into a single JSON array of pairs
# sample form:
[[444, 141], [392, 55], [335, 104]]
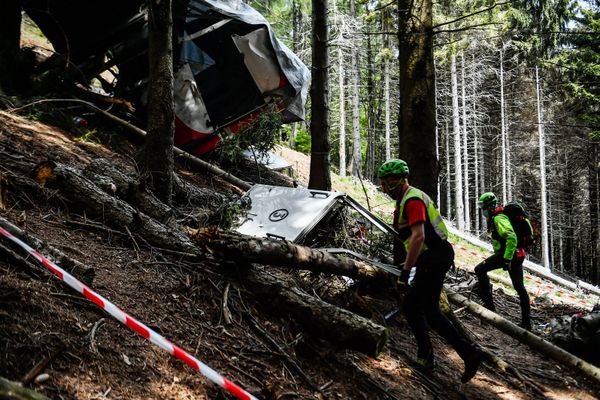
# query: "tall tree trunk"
[[503, 130], [448, 174], [458, 171], [319, 94], [542, 145], [465, 125], [342, 136], [157, 155], [481, 173], [10, 40], [416, 120], [356, 163], [296, 20], [476, 142], [386, 85], [594, 185], [371, 107]]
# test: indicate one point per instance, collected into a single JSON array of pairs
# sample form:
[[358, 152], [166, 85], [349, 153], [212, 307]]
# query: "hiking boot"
[[422, 364], [489, 305], [472, 363]]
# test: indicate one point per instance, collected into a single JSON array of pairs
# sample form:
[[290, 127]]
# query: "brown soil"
[[95, 357]]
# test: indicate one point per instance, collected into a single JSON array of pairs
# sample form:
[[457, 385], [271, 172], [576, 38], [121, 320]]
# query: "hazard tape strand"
[[132, 323]]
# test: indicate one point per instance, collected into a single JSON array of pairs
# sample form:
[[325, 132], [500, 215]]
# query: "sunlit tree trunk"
[[341, 97], [386, 88], [458, 171], [371, 109], [342, 100], [356, 164], [465, 146], [504, 149], [448, 176], [476, 142], [594, 184], [542, 145]]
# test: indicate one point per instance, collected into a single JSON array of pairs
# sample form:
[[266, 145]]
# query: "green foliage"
[[228, 215], [261, 134], [580, 60], [384, 54], [303, 142]]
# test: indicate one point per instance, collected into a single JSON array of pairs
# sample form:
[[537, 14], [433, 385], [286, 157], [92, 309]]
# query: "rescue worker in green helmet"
[[429, 256], [506, 255]]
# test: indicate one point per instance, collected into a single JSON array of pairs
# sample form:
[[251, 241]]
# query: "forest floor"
[[92, 356]]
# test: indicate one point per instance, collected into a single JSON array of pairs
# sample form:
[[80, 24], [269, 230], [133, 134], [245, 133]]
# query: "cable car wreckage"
[[228, 64], [229, 67], [299, 215]]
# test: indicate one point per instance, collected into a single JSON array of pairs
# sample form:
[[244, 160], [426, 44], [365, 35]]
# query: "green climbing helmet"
[[394, 166], [487, 199]]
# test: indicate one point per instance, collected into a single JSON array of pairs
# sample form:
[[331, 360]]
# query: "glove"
[[404, 275], [506, 265]]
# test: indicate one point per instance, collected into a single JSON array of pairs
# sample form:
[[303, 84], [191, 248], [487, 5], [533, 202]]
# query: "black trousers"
[[516, 276], [421, 304]]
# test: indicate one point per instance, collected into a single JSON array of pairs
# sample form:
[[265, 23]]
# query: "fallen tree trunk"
[[10, 390], [126, 186], [524, 336], [234, 246], [115, 182], [341, 327], [490, 357], [115, 212]]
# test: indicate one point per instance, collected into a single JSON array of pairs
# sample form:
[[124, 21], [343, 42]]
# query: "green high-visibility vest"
[[433, 216]]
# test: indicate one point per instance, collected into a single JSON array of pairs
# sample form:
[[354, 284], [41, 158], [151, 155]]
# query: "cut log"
[[115, 212], [115, 182], [533, 341], [126, 186], [340, 327], [234, 246], [10, 390], [184, 193]]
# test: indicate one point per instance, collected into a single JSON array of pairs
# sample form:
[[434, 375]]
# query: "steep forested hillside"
[[64, 346], [114, 286]]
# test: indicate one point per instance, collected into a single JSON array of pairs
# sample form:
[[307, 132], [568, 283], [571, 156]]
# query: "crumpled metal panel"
[[286, 213]]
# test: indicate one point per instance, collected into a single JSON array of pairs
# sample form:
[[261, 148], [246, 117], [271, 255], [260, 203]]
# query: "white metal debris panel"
[[286, 213], [269, 160]]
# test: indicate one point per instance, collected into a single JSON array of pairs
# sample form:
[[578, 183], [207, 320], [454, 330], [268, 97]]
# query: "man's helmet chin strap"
[[399, 183]]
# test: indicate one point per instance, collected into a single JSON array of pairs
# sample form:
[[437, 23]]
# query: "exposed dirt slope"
[[95, 357]]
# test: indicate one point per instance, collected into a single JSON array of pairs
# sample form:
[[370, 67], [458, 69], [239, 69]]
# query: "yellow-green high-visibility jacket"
[[435, 229], [504, 238]]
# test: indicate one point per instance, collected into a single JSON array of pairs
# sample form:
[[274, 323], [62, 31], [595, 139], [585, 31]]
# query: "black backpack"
[[524, 229]]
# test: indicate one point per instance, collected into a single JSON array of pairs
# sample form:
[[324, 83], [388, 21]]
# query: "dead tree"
[[532, 340], [234, 246], [115, 212], [341, 327]]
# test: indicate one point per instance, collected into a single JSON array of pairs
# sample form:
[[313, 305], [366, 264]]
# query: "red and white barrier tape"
[[132, 323]]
